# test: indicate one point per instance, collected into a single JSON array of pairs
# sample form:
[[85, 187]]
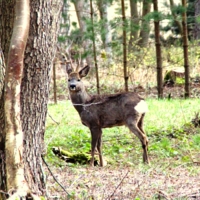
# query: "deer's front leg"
[[96, 133]]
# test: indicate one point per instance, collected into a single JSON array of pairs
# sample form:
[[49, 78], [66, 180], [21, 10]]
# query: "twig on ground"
[[54, 176], [53, 119], [118, 185]]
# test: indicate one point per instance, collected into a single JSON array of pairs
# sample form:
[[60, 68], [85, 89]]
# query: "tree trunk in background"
[[124, 47], [185, 51], [158, 52], [94, 49], [106, 34], [83, 12], [134, 24], [145, 25], [196, 31], [178, 23]]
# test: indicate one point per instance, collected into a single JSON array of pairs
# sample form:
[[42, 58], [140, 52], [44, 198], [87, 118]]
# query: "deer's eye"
[[79, 80], [68, 80]]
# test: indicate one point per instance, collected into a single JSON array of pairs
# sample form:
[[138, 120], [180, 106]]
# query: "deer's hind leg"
[[96, 134], [135, 124]]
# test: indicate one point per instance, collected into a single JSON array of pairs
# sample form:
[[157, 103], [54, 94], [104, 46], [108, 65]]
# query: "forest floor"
[[160, 182]]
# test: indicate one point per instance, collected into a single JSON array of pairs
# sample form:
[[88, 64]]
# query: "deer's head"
[[74, 78]]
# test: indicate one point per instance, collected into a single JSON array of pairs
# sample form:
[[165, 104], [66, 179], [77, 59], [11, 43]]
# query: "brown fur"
[[97, 112]]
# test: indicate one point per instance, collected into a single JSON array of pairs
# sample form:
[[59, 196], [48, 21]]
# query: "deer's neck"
[[80, 97]]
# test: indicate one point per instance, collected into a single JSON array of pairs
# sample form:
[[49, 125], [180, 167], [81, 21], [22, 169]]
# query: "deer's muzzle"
[[72, 87]]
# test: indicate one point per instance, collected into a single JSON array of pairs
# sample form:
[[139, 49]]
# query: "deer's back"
[[112, 110]]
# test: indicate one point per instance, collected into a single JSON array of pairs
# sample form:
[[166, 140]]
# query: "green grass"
[[172, 138]]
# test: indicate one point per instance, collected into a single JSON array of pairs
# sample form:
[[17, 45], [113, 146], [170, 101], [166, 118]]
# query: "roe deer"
[[97, 112]]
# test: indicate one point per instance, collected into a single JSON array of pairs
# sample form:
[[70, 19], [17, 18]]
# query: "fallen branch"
[[55, 177], [118, 185]]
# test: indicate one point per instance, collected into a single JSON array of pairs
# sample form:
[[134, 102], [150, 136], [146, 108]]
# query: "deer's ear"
[[83, 72]]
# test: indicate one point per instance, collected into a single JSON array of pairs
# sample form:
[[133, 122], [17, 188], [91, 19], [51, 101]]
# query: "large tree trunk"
[[40, 52], [39, 55]]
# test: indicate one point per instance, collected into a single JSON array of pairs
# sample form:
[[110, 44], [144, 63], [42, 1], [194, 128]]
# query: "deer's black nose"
[[72, 86]]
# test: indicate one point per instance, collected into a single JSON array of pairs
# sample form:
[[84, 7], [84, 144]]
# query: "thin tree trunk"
[[185, 51], [106, 34], [15, 179], [196, 30], [94, 49], [158, 53], [54, 83], [145, 26], [82, 11], [134, 24], [124, 47]]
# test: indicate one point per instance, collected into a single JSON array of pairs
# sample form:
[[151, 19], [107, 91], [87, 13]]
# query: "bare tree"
[[124, 46], [94, 49], [185, 51], [158, 52], [106, 34], [145, 25], [134, 23], [83, 12]]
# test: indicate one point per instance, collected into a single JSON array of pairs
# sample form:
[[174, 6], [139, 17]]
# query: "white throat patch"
[[141, 107]]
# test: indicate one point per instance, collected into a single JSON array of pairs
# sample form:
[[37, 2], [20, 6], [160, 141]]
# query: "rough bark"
[[39, 55], [145, 25], [38, 60]]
